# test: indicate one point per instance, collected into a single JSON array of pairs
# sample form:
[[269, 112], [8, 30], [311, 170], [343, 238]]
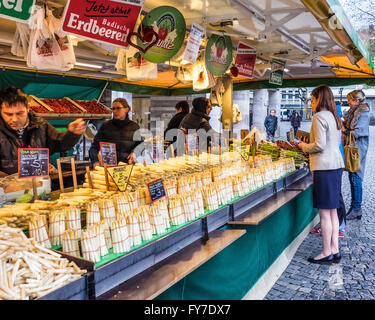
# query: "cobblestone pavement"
[[351, 279]]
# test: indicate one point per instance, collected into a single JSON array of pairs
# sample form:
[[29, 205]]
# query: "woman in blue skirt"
[[327, 166]]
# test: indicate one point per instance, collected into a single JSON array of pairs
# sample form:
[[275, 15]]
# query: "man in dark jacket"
[[271, 125], [119, 130], [182, 109], [198, 121], [21, 128], [295, 121]]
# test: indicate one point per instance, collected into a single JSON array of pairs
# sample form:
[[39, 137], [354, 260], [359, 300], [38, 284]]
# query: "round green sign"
[[170, 26], [218, 54]]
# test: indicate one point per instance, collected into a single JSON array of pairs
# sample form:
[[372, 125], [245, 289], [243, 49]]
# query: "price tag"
[[192, 142], [121, 175], [33, 162], [156, 190], [108, 153], [245, 152]]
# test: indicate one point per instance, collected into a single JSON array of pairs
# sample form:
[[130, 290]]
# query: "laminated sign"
[[107, 21], [277, 71], [17, 10], [218, 54], [245, 60], [108, 153]]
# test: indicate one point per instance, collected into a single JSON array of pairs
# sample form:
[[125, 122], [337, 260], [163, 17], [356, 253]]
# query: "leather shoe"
[[327, 259], [354, 214], [337, 257]]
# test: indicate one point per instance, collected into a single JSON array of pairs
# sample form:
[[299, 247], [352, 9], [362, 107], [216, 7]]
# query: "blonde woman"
[[357, 120], [327, 165]]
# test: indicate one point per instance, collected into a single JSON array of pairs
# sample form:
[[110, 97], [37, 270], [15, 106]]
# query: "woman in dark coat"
[[295, 121], [182, 109]]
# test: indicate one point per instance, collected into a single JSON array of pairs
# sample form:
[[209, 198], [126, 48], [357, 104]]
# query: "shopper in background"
[[270, 124], [119, 130], [357, 120], [182, 109], [295, 121], [20, 127], [327, 165]]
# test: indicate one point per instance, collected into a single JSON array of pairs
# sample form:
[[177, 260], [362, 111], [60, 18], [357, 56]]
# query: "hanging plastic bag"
[[138, 68], [121, 60], [64, 41]]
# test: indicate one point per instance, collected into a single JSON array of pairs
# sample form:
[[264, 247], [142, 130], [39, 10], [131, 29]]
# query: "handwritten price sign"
[[156, 190], [120, 176], [33, 162]]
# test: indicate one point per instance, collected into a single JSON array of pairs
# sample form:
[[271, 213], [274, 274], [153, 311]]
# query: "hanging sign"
[[107, 21], [33, 162], [121, 175], [16, 10], [277, 71], [169, 24], [218, 54], [193, 44], [156, 190], [245, 60], [108, 153]]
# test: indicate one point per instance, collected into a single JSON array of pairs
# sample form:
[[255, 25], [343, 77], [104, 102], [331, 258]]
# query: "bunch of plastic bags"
[[42, 43]]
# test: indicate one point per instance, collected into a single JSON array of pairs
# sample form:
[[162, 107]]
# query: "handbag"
[[351, 155]]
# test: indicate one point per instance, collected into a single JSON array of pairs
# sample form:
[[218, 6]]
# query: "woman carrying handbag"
[[327, 165], [356, 123]]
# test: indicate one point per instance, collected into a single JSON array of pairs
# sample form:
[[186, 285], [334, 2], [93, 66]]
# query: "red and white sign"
[[108, 21], [245, 60]]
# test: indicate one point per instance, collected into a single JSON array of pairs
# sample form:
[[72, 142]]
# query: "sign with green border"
[[170, 26], [277, 71], [17, 10], [218, 54]]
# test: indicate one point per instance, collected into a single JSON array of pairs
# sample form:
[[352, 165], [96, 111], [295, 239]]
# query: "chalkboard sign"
[[108, 153], [156, 190], [120, 176], [33, 162], [192, 142]]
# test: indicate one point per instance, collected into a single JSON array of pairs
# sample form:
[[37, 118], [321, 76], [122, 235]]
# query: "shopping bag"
[[351, 155]]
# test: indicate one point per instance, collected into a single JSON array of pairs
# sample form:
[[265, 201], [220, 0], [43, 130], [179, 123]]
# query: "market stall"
[[154, 230]]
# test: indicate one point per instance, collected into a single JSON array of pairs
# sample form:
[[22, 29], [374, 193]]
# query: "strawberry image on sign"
[[163, 32]]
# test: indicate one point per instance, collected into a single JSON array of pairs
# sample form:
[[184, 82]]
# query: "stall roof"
[[298, 31]]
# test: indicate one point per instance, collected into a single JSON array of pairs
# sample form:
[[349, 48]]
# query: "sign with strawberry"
[[218, 54], [169, 25], [245, 60]]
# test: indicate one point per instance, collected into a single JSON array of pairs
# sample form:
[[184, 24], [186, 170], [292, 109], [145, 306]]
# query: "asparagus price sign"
[[16, 10], [156, 190], [107, 21], [245, 152], [33, 162], [121, 176], [108, 153]]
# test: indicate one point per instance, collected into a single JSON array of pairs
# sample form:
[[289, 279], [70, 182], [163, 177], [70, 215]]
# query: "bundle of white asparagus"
[[28, 270], [142, 196], [162, 206], [102, 243], [134, 230], [144, 223], [156, 220], [56, 227], [206, 177], [133, 200], [210, 198], [70, 243], [107, 210], [92, 213], [38, 230], [176, 211], [120, 236], [170, 187], [90, 244], [188, 207], [73, 219], [197, 199], [107, 234], [122, 204]]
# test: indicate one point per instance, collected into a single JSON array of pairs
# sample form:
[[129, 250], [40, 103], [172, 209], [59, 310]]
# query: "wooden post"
[[61, 181], [100, 159], [89, 177], [74, 175], [35, 189]]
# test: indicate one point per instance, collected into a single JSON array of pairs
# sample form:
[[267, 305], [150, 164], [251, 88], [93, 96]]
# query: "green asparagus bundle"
[[266, 148]]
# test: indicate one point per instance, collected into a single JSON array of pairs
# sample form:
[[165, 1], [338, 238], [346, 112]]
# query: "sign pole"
[[35, 189], [89, 177], [61, 181], [74, 175], [106, 177]]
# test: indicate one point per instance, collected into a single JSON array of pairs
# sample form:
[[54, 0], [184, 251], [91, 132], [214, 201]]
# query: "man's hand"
[[52, 169], [77, 127], [132, 158], [300, 145]]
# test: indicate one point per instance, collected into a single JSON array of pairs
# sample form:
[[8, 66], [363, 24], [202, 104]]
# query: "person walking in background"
[[182, 109], [270, 124], [357, 120], [295, 121], [327, 166]]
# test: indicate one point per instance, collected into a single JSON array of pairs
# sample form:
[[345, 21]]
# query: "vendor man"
[[21, 128], [119, 130]]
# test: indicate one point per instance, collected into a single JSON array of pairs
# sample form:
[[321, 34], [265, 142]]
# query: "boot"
[[354, 214]]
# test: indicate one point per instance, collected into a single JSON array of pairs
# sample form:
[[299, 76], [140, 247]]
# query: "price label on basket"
[[33, 162], [121, 176], [108, 153], [156, 190]]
